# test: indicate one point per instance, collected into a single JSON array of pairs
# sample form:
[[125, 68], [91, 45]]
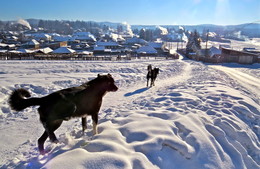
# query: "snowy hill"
[[196, 116]]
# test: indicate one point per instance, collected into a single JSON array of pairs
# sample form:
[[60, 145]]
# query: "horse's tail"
[[18, 102]]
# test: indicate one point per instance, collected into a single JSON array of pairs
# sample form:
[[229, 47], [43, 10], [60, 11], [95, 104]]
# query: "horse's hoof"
[[56, 141], [42, 152]]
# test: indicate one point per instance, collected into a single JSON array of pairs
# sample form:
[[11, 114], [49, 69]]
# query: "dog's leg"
[[84, 123], [95, 122], [41, 141]]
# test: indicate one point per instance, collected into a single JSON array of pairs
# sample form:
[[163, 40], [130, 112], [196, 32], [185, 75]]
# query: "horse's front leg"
[[147, 82], [151, 82], [95, 122], [84, 123]]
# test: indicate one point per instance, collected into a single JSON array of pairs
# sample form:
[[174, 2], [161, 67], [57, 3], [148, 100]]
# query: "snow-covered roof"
[[45, 50], [225, 46], [212, 34], [14, 51], [136, 40], [13, 37], [41, 36], [84, 36], [33, 42], [3, 51], [99, 48], [64, 50], [107, 43], [163, 30], [156, 44], [214, 50], [24, 50], [146, 49], [58, 38], [86, 52], [11, 45], [3, 45]]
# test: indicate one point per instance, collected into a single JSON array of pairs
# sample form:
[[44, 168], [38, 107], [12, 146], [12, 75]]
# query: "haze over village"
[[88, 40]]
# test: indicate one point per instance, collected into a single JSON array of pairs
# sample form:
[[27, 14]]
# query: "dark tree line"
[[193, 42], [67, 27], [57, 26]]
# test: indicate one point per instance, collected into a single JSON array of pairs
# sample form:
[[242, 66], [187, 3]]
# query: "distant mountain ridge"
[[248, 29], [114, 24]]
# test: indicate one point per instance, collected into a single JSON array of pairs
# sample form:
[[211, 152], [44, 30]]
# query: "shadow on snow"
[[138, 91]]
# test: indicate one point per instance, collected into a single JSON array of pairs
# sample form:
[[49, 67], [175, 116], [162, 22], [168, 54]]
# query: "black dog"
[[152, 74], [79, 101]]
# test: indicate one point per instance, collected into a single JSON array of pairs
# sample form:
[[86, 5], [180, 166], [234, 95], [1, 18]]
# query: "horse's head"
[[156, 70], [108, 82], [149, 67]]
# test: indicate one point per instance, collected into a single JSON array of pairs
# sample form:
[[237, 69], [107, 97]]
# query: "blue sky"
[[147, 12]]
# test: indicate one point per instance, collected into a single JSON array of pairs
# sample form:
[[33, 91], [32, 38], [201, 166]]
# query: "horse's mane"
[[98, 79], [91, 82]]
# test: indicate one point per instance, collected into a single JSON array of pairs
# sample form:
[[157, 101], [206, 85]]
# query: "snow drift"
[[197, 116]]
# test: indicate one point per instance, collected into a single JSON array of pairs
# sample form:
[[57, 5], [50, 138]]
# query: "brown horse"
[[79, 101]]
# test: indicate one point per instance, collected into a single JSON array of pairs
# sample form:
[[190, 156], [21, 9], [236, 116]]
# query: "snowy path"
[[130, 93], [251, 83]]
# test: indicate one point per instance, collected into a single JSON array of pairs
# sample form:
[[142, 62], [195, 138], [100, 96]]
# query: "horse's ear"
[[109, 75], [98, 75]]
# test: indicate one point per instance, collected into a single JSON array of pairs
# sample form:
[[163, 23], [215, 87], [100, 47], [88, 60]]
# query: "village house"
[[135, 40], [56, 45], [32, 44], [59, 38], [109, 45], [42, 37], [11, 39], [230, 55], [84, 36], [159, 47], [101, 50], [45, 50], [252, 50], [64, 50], [214, 52], [114, 37], [146, 50]]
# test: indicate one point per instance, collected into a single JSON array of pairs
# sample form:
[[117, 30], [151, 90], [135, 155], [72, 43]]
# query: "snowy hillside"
[[196, 116]]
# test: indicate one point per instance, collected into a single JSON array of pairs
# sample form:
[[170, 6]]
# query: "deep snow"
[[196, 116]]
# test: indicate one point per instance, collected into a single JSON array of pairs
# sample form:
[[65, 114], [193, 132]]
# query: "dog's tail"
[[18, 101]]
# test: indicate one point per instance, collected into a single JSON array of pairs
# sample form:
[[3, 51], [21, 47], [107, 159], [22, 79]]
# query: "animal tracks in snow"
[[194, 117]]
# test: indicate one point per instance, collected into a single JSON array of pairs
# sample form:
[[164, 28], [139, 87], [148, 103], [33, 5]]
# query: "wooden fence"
[[40, 56]]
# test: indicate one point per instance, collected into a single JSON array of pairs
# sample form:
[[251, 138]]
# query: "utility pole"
[[207, 38]]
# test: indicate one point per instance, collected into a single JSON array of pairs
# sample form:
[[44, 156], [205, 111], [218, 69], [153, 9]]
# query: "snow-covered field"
[[196, 116]]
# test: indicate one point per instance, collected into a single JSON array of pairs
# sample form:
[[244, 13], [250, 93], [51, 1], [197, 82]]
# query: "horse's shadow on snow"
[[138, 91], [38, 161]]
